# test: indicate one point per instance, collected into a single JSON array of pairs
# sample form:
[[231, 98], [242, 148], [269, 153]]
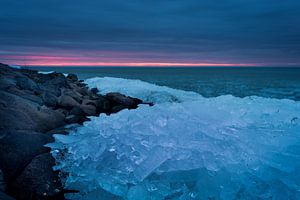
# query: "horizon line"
[[151, 64]]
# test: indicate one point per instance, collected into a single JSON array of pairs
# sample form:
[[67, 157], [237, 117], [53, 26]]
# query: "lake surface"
[[279, 82]]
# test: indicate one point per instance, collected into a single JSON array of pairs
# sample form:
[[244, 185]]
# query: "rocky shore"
[[33, 107]]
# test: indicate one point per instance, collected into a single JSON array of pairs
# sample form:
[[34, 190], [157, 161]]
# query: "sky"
[[150, 32]]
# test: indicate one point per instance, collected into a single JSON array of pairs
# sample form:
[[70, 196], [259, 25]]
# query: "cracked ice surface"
[[184, 147]]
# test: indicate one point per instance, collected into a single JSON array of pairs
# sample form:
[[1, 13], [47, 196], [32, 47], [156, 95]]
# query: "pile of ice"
[[190, 148]]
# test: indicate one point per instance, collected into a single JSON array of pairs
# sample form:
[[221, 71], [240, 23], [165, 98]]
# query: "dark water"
[[277, 82]]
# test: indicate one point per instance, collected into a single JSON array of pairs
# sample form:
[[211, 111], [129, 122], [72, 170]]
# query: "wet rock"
[[18, 148], [38, 180]]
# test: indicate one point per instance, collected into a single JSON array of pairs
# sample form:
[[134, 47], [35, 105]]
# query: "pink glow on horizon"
[[82, 60], [134, 64]]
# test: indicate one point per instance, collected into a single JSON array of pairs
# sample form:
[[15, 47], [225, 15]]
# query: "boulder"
[[72, 119], [94, 90], [89, 110], [103, 105], [26, 94], [17, 113], [38, 180], [117, 108], [72, 77], [119, 98], [18, 148], [67, 101], [4, 196], [2, 182], [81, 90], [72, 93], [26, 83], [49, 99], [58, 79], [77, 111]]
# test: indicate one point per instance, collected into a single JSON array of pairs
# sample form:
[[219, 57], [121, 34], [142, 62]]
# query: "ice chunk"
[[195, 148]]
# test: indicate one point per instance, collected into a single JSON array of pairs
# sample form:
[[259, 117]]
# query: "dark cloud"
[[236, 31]]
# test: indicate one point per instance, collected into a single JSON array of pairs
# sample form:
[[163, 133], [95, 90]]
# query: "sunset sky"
[[150, 32]]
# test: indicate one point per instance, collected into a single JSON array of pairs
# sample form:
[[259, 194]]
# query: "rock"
[[67, 101], [49, 99], [38, 180], [72, 93], [103, 105], [27, 84], [72, 77], [6, 82], [82, 90], [49, 87], [94, 90], [58, 79], [2, 182], [18, 148], [89, 110], [26, 94], [118, 108], [4, 196], [122, 99], [60, 130], [72, 119], [17, 113], [77, 111]]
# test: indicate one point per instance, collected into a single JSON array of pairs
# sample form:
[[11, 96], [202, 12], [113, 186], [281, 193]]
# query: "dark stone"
[[72, 119], [76, 111], [49, 99], [22, 114], [118, 108], [38, 180], [103, 105], [72, 93], [72, 77], [94, 90], [60, 130], [89, 110], [26, 94], [18, 148], [67, 102], [27, 84], [4, 196], [122, 99], [49, 87]]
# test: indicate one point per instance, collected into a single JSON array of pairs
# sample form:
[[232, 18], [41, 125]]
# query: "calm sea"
[[276, 82]]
